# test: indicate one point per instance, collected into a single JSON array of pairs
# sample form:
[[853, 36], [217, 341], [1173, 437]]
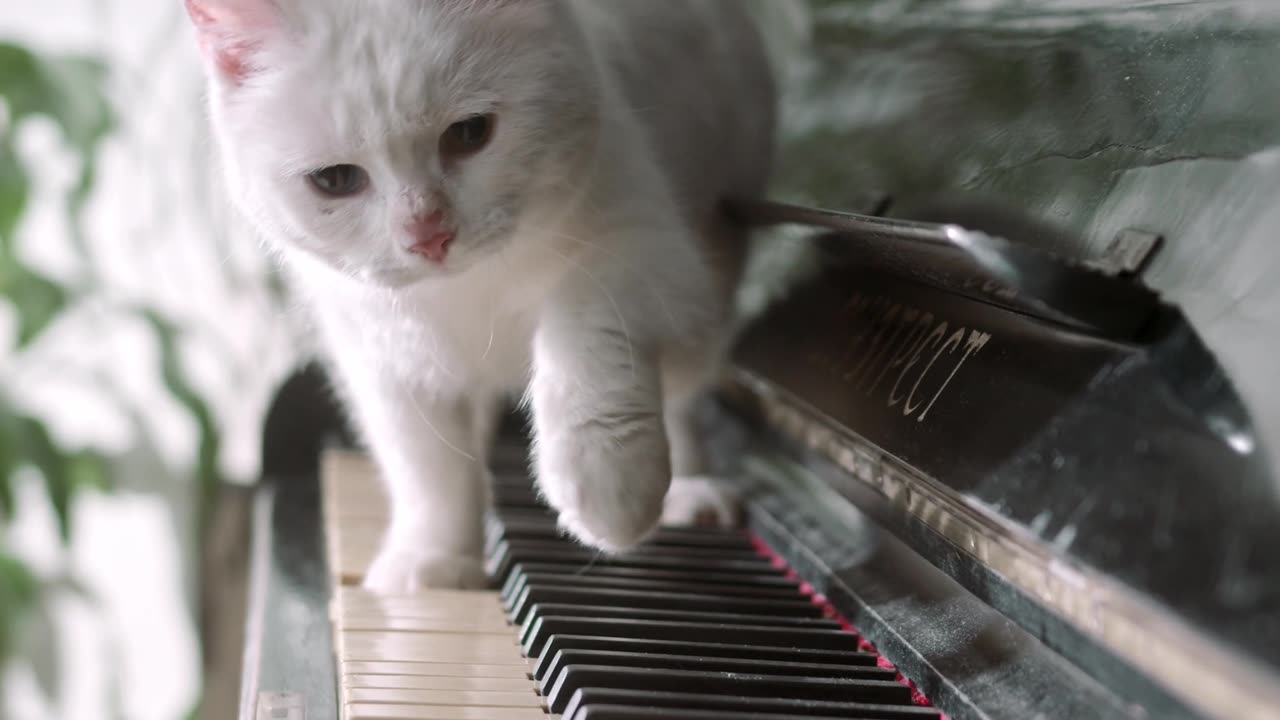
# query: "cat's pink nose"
[[430, 237]]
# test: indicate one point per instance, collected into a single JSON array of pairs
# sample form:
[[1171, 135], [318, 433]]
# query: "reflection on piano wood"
[[697, 624]]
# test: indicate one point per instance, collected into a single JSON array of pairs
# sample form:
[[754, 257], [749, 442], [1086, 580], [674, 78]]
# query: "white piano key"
[[459, 598], [358, 711], [467, 626], [463, 698], [431, 647], [425, 609], [427, 669], [433, 655], [420, 682]]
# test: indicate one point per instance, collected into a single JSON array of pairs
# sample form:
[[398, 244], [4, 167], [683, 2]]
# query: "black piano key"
[[511, 466], [690, 602], [608, 658], [511, 475], [545, 627], [700, 538], [747, 589], [510, 498], [545, 529], [523, 515], [680, 623], [511, 449], [526, 515], [595, 697], [561, 643], [713, 554], [620, 712], [539, 612], [785, 586], [507, 554], [515, 474], [576, 677]]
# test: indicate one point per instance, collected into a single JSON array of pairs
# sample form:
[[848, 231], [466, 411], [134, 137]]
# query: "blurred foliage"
[[18, 591], [69, 92], [208, 477]]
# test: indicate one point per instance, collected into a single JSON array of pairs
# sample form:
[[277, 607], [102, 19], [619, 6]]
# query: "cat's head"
[[394, 140]]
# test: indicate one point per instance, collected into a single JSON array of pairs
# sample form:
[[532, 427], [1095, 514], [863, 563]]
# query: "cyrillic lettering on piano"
[[901, 354]]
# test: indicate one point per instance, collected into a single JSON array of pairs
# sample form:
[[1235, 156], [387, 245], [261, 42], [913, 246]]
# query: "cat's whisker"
[[650, 286], [492, 334], [440, 436], [434, 351], [617, 309], [493, 310]]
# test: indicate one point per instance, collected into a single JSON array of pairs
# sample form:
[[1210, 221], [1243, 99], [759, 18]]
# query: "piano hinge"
[[1129, 254], [281, 706]]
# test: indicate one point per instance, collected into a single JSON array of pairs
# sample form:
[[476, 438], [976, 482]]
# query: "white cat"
[[485, 197]]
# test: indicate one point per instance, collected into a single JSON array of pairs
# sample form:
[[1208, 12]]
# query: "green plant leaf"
[[40, 644], [8, 466], [39, 450], [37, 299], [67, 89], [19, 591], [208, 477], [88, 471], [25, 441], [14, 186]]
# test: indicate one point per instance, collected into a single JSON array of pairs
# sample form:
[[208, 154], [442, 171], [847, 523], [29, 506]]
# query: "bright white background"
[[156, 241]]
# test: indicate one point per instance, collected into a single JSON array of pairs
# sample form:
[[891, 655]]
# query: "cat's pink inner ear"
[[229, 32]]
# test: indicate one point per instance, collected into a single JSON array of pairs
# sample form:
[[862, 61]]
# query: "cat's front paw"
[[404, 572], [702, 502], [608, 493]]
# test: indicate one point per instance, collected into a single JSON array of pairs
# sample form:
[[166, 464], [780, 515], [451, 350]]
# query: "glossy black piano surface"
[[696, 624], [1148, 459]]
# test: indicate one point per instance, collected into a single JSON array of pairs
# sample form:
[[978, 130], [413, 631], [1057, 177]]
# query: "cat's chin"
[[416, 272]]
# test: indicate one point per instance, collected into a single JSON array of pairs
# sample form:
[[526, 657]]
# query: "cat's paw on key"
[[609, 499], [702, 501], [404, 572], [613, 518]]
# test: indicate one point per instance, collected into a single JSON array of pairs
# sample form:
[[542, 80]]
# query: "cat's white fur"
[[592, 271]]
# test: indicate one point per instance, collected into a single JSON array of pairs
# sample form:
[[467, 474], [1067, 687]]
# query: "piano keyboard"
[[696, 625]]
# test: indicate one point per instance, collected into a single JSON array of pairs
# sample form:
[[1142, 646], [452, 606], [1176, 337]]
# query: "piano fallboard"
[[1108, 491]]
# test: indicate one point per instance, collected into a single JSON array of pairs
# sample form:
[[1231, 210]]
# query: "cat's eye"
[[339, 180], [467, 137]]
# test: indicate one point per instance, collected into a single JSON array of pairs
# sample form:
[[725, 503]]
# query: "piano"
[[1000, 460]]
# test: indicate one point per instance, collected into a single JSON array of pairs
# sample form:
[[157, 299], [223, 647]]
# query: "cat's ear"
[[230, 32]]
